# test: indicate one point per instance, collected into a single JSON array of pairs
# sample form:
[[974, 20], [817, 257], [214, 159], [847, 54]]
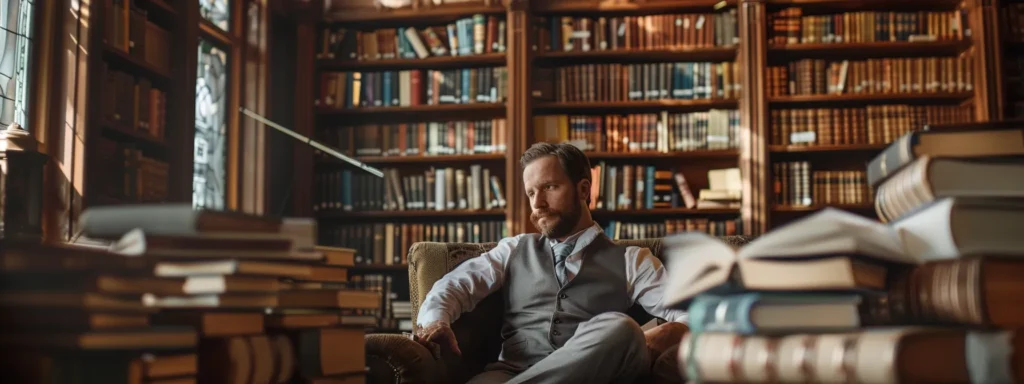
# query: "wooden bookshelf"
[[698, 154], [627, 56], [1006, 42], [583, 88], [827, 148], [875, 98], [445, 109], [132, 154], [123, 61], [533, 58], [414, 214], [452, 129], [661, 212], [633, 106], [839, 149], [434, 62], [871, 50], [626, 8], [419, 15], [430, 159]]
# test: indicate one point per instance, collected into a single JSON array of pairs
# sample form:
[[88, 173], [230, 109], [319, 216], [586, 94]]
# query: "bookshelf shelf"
[[389, 215], [496, 108], [378, 267], [817, 207], [146, 141], [589, 7], [827, 148], [432, 14], [484, 157], [846, 5], [713, 54], [871, 50], [702, 154], [432, 159], [639, 105], [119, 58], [434, 62], [159, 11], [664, 212], [873, 98]]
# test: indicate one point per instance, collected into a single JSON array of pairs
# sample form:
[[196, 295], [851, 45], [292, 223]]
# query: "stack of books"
[[254, 297], [930, 292], [71, 315]]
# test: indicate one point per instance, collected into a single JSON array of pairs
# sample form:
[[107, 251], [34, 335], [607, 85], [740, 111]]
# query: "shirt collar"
[[581, 238]]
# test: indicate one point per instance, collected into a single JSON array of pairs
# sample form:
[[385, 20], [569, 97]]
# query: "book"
[[929, 178], [829, 250], [879, 355], [975, 144], [955, 227], [774, 313], [112, 222]]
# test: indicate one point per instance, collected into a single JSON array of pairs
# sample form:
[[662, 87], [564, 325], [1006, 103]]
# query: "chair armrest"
[[665, 369], [663, 344], [395, 358], [661, 338]]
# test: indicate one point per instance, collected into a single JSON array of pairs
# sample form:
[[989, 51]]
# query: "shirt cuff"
[[430, 316]]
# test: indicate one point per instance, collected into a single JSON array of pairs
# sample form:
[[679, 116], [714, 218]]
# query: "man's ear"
[[584, 190]]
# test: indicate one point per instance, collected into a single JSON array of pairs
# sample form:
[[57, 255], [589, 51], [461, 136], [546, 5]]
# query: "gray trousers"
[[608, 348]]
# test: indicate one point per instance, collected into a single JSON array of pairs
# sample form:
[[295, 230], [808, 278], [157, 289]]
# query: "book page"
[[830, 232], [695, 262]]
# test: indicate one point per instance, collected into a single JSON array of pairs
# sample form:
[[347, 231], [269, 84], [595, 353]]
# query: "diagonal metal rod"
[[312, 143]]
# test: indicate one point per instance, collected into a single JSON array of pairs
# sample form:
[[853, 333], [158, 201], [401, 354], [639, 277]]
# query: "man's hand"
[[434, 334]]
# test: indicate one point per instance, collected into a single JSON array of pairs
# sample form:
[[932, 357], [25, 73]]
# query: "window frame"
[[231, 42]]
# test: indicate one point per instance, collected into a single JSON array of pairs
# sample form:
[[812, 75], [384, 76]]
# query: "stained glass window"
[[216, 12], [16, 41], [209, 175]]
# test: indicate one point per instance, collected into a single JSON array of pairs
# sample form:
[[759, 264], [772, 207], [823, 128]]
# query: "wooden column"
[[519, 58], [44, 116], [985, 25], [754, 163], [986, 55], [254, 145], [305, 79]]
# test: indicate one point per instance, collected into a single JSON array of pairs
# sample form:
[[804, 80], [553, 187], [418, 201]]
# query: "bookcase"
[[138, 110], [797, 95], [1006, 22], [651, 91], [423, 95], [844, 79]]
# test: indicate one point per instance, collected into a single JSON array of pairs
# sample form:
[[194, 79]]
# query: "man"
[[566, 289]]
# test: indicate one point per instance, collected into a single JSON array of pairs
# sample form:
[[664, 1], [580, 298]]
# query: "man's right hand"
[[434, 334]]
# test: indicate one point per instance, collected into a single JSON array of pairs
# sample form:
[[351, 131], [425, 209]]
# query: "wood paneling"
[[753, 162]]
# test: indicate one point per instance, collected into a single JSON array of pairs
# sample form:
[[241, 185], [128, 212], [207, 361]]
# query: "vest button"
[[555, 333], [563, 296], [558, 321]]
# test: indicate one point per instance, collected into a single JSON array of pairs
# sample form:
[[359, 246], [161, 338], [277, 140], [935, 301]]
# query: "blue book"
[[774, 313]]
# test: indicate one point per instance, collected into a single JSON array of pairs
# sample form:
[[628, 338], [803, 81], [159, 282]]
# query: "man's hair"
[[574, 162]]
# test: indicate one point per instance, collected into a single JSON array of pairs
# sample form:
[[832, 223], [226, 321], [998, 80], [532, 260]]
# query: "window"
[[217, 12], [16, 41], [209, 177]]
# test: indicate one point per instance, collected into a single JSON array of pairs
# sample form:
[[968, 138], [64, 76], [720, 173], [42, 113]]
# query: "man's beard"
[[566, 221]]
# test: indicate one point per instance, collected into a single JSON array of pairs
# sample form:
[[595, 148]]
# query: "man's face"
[[554, 199]]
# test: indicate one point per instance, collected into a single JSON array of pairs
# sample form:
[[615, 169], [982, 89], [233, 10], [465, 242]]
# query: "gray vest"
[[540, 316]]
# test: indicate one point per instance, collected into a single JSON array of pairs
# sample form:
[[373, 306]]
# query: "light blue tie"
[[562, 252]]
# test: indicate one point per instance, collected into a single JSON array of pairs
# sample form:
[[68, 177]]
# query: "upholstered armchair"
[[396, 358]]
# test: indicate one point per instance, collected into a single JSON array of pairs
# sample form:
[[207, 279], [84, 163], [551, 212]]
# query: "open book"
[[831, 250]]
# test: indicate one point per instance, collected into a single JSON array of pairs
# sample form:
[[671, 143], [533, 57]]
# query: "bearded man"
[[566, 290]]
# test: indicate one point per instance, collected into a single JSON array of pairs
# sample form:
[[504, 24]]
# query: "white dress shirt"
[[464, 287]]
